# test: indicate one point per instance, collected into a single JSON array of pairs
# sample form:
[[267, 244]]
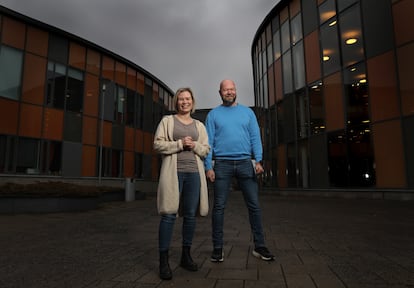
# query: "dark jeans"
[[244, 172], [189, 187]]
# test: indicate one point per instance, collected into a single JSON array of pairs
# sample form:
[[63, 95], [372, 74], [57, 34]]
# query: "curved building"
[[72, 109], [334, 93]]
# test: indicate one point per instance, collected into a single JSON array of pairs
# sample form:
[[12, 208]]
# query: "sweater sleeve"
[[255, 138]]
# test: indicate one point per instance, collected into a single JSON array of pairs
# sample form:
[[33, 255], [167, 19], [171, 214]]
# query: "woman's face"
[[184, 102]]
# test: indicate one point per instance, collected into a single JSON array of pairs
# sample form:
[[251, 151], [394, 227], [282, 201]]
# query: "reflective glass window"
[[269, 54], [351, 36], [316, 109], [343, 4], [285, 36], [298, 65], [276, 45], [74, 94], [356, 93], [56, 85], [296, 26], [58, 49], [287, 73], [330, 48], [28, 158], [11, 63], [327, 10], [302, 114]]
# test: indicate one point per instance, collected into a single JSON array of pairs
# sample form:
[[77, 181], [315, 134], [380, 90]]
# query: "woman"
[[182, 189]]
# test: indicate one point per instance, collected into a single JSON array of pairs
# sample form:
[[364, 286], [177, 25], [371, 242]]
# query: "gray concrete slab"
[[318, 242]]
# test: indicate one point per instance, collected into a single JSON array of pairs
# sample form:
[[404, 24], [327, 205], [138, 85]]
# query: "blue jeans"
[[189, 187], [244, 172]]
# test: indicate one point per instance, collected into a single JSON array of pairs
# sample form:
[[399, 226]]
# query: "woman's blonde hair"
[[179, 91]]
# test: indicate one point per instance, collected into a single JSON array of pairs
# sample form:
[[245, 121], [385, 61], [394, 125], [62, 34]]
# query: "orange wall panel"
[[384, 101], [389, 156], [77, 56], [91, 100], [129, 139], [312, 55], [53, 124], [14, 33], [107, 134], [89, 161], [403, 16], [37, 41], [33, 88], [129, 164], [405, 56], [30, 121], [120, 73], [9, 111], [93, 62]]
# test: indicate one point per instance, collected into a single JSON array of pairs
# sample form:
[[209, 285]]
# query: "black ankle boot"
[[165, 270], [186, 260]]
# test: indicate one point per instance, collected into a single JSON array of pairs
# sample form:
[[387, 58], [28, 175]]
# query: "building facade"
[[72, 109], [334, 93]]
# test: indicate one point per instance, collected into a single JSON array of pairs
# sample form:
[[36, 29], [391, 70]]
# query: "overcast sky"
[[194, 43]]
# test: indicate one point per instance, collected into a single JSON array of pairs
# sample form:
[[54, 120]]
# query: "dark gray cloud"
[[192, 43]]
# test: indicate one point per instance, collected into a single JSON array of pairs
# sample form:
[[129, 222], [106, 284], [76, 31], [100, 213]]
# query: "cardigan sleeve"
[[163, 140]]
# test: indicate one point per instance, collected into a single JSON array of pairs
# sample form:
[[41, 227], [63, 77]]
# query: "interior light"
[[363, 81], [332, 23], [325, 58], [351, 41]]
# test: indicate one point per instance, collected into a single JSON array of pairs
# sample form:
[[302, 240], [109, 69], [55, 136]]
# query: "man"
[[234, 137]]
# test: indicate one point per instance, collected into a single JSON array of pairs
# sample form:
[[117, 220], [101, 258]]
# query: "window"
[[28, 156], [56, 85], [74, 91], [351, 36], [330, 48], [11, 63]]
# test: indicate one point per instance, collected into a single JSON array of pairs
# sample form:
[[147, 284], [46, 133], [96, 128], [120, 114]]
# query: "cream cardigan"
[[168, 192]]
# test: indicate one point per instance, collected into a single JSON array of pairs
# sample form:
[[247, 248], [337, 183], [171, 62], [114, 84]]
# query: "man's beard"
[[227, 102]]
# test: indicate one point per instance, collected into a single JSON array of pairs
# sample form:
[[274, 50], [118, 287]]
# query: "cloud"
[[194, 43]]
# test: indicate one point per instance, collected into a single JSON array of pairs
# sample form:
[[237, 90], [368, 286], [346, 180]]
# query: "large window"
[[11, 63], [351, 36]]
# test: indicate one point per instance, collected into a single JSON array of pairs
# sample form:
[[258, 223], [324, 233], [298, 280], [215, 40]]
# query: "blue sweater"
[[233, 134]]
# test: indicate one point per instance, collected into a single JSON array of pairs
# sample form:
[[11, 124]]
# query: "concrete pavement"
[[318, 242]]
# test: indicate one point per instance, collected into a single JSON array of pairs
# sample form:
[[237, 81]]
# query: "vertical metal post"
[[101, 133]]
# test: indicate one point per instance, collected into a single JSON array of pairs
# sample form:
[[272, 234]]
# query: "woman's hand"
[[188, 143]]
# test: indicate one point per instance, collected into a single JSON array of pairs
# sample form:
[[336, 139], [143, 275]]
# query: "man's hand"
[[259, 168], [211, 175]]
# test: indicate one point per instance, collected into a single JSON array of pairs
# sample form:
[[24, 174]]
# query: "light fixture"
[[332, 23], [325, 58], [351, 41]]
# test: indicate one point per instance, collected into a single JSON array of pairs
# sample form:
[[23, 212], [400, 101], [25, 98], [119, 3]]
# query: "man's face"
[[228, 93]]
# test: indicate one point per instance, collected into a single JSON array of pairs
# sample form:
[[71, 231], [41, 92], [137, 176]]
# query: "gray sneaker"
[[217, 255], [263, 253]]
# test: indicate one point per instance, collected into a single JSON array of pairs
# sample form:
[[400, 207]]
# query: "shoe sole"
[[218, 260], [255, 254]]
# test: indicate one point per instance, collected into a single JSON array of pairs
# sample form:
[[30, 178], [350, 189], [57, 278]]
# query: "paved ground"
[[318, 242]]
